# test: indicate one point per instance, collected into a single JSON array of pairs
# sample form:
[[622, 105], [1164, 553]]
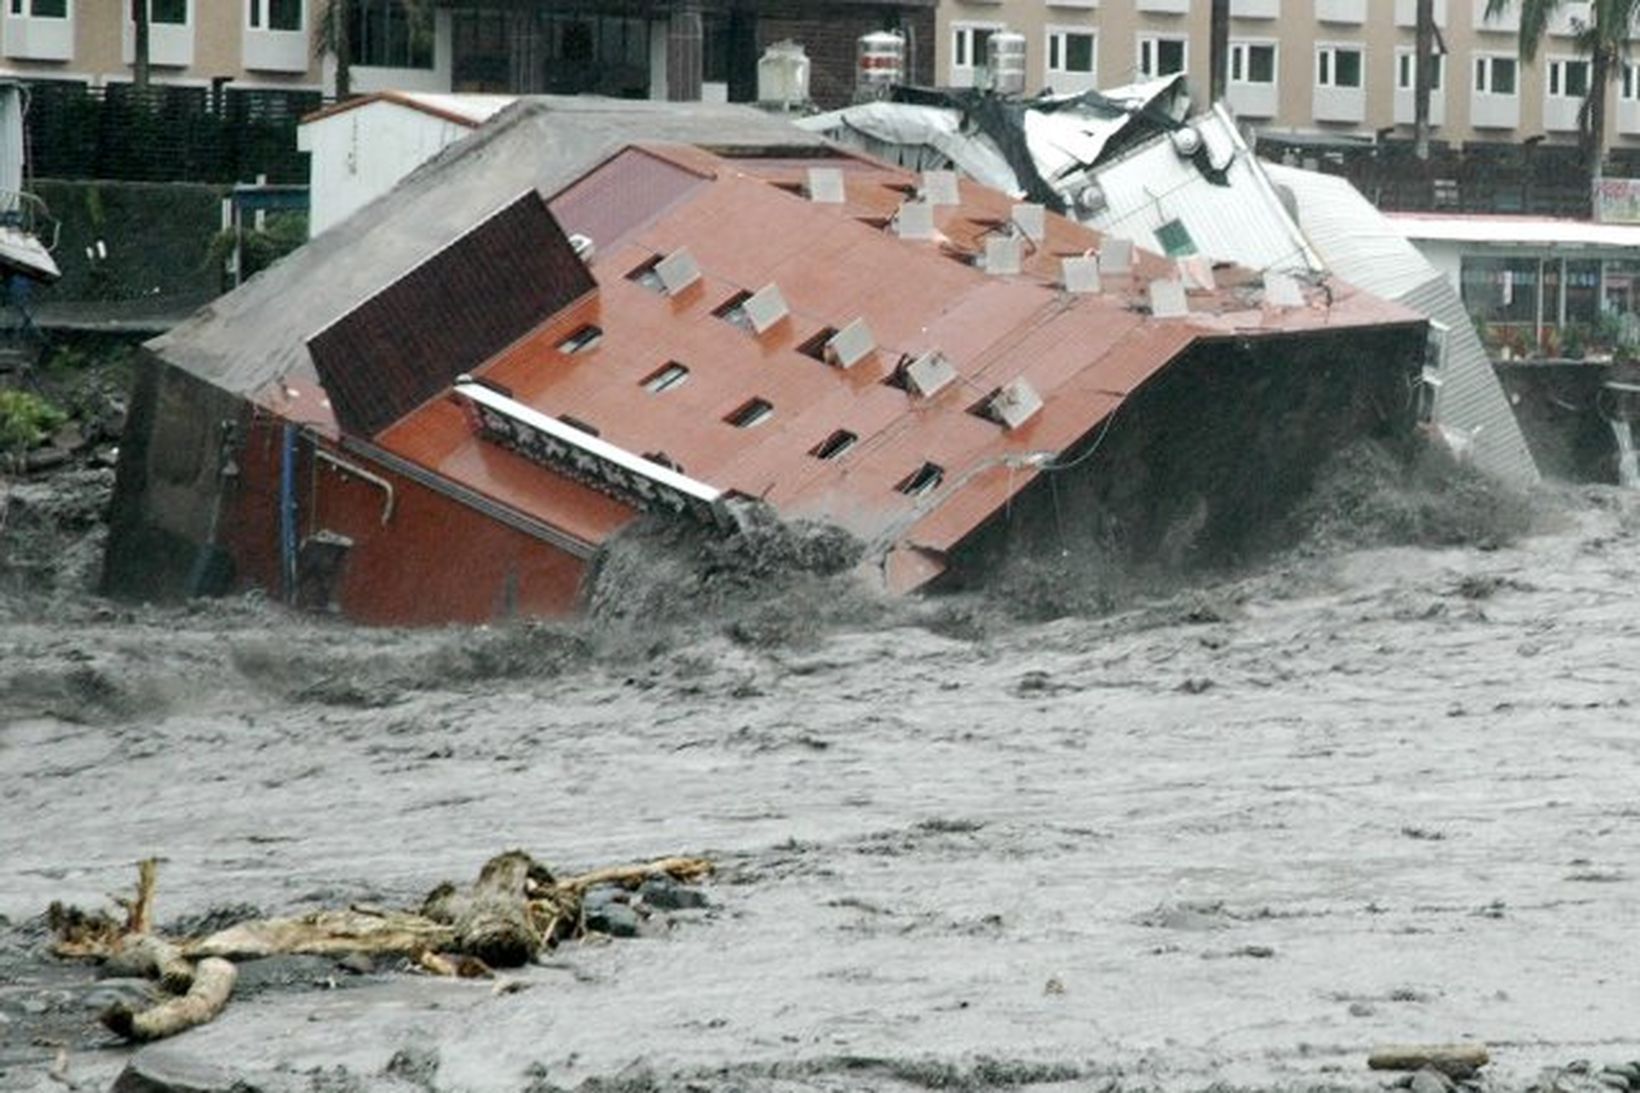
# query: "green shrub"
[[26, 420]]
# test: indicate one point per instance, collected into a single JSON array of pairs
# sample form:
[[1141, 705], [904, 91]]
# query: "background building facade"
[[1310, 66]]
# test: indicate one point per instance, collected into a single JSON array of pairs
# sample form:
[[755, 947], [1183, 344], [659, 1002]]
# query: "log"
[[152, 958], [508, 914], [213, 983], [1453, 1060], [327, 933], [630, 876]]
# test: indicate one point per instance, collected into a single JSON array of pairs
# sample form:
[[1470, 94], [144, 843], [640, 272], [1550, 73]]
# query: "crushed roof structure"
[[1135, 164], [556, 327]]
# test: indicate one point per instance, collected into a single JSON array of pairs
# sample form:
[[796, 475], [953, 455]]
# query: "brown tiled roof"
[[747, 225]]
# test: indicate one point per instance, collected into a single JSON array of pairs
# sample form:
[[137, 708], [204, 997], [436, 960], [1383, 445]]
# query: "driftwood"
[[152, 957], [212, 983], [630, 876], [327, 933], [1453, 1060], [514, 910]]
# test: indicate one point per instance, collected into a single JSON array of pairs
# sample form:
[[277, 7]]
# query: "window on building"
[[276, 14], [1569, 79], [670, 375], [968, 50], [1160, 56], [1338, 66], [1406, 71], [172, 12], [1072, 51], [1500, 290], [1495, 75], [385, 34], [1253, 62], [40, 9]]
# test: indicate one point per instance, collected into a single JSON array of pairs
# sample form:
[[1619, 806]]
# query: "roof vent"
[[915, 220], [1281, 290], [1187, 141], [825, 186], [929, 374], [940, 188], [1081, 274], [850, 345], [1003, 254], [765, 307], [1116, 255], [677, 271], [1092, 199], [1167, 300], [1015, 404], [1029, 217], [1197, 273]]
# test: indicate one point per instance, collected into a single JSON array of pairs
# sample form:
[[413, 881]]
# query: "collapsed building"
[[589, 312], [1136, 163]]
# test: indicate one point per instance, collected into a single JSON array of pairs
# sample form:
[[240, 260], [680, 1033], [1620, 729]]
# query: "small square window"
[[924, 480], [751, 413], [584, 338], [834, 445], [668, 376]]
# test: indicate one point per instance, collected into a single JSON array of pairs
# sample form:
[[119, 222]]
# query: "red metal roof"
[[747, 224]]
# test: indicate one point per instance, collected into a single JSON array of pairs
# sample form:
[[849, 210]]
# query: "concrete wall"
[[362, 153]]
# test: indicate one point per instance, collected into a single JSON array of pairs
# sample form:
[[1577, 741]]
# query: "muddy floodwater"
[[1237, 835]]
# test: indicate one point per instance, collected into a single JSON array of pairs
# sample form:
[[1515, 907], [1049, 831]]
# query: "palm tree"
[[1603, 38]]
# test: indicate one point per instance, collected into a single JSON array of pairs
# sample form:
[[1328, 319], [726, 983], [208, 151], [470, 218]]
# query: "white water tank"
[[783, 76], [1005, 57], [879, 65]]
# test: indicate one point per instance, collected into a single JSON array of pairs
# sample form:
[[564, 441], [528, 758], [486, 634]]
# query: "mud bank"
[[1239, 835]]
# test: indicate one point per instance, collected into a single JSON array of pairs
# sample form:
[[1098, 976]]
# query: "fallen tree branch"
[[1453, 1060], [630, 876], [327, 933], [213, 983], [152, 957]]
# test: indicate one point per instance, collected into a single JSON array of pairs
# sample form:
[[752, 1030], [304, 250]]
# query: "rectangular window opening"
[[583, 339], [733, 310], [754, 412], [644, 273], [924, 480], [815, 347], [670, 375], [834, 445]]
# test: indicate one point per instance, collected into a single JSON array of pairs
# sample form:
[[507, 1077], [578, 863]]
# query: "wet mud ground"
[[1237, 836]]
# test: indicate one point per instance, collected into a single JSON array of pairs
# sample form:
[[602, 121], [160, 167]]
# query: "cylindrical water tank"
[[1005, 57], [783, 75], [880, 64]]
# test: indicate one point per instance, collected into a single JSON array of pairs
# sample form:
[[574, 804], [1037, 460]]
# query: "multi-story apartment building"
[[1309, 66], [238, 44], [677, 49]]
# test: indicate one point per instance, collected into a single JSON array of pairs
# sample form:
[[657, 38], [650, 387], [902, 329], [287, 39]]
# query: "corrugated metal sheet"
[[1365, 248], [448, 315], [1237, 220]]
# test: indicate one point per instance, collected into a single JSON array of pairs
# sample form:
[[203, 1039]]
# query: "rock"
[[1631, 1071], [602, 896], [666, 894], [1362, 1009], [138, 994], [1608, 1077], [1430, 1080], [166, 1069], [1453, 1060], [357, 964], [614, 919]]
